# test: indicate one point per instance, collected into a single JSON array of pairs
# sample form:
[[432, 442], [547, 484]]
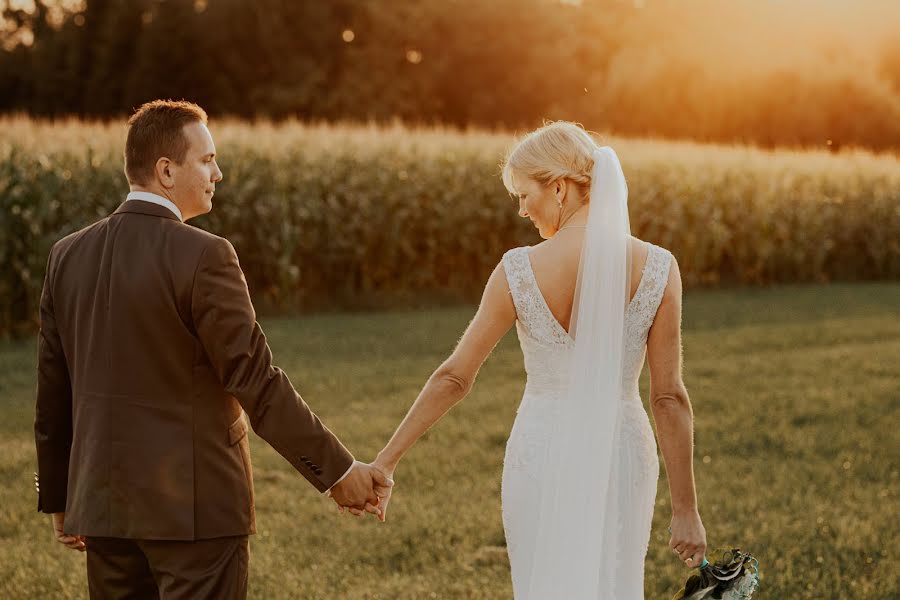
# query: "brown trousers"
[[210, 569]]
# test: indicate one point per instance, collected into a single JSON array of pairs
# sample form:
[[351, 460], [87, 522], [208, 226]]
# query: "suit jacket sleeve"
[[225, 323], [53, 409]]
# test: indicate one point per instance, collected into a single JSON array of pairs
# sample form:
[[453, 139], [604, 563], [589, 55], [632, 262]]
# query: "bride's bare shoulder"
[[540, 248], [552, 255], [639, 249]]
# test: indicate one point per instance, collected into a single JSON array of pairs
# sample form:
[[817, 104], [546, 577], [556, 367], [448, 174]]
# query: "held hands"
[[388, 472], [688, 539], [362, 490], [75, 542]]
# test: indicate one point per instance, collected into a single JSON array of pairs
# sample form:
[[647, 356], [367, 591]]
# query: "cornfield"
[[346, 216]]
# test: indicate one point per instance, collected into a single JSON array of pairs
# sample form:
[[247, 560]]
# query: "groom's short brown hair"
[[156, 130]]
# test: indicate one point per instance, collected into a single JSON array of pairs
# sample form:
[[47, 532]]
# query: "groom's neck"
[[161, 191], [152, 189]]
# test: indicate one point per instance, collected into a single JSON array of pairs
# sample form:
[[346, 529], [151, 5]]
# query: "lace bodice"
[[546, 345]]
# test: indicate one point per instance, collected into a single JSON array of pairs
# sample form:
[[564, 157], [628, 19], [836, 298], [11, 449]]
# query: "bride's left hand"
[[388, 473], [688, 539]]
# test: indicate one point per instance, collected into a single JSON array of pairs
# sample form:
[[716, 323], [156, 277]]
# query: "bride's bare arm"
[[452, 381], [674, 418], [669, 400]]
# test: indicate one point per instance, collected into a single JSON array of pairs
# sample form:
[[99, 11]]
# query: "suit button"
[[317, 471], [303, 458]]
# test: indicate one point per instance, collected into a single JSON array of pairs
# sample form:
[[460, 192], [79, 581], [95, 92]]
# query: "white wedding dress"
[[546, 347]]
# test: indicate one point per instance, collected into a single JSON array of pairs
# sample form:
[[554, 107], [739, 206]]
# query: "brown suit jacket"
[[148, 352]]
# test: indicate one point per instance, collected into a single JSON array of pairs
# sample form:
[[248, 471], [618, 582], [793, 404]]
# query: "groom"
[[149, 355]]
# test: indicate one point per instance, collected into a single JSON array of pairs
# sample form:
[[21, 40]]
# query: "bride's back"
[[555, 265]]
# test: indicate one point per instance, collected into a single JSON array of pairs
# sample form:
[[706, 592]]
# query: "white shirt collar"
[[155, 199]]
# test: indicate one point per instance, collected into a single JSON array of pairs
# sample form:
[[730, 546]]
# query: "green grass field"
[[795, 391]]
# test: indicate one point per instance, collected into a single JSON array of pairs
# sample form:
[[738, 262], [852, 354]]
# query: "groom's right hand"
[[362, 489]]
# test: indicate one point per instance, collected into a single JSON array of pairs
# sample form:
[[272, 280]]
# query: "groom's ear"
[[164, 172]]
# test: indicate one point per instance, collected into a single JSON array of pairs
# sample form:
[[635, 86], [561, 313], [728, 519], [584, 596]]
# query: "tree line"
[[698, 69]]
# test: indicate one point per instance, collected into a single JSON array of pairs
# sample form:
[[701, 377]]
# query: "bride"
[[589, 303]]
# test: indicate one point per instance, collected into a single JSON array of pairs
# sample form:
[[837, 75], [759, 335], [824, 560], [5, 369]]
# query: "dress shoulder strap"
[[653, 284], [518, 276]]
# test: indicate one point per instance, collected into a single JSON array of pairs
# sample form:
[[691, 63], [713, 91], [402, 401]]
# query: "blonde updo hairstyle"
[[559, 149]]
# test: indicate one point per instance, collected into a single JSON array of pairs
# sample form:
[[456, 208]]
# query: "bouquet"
[[735, 577]]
